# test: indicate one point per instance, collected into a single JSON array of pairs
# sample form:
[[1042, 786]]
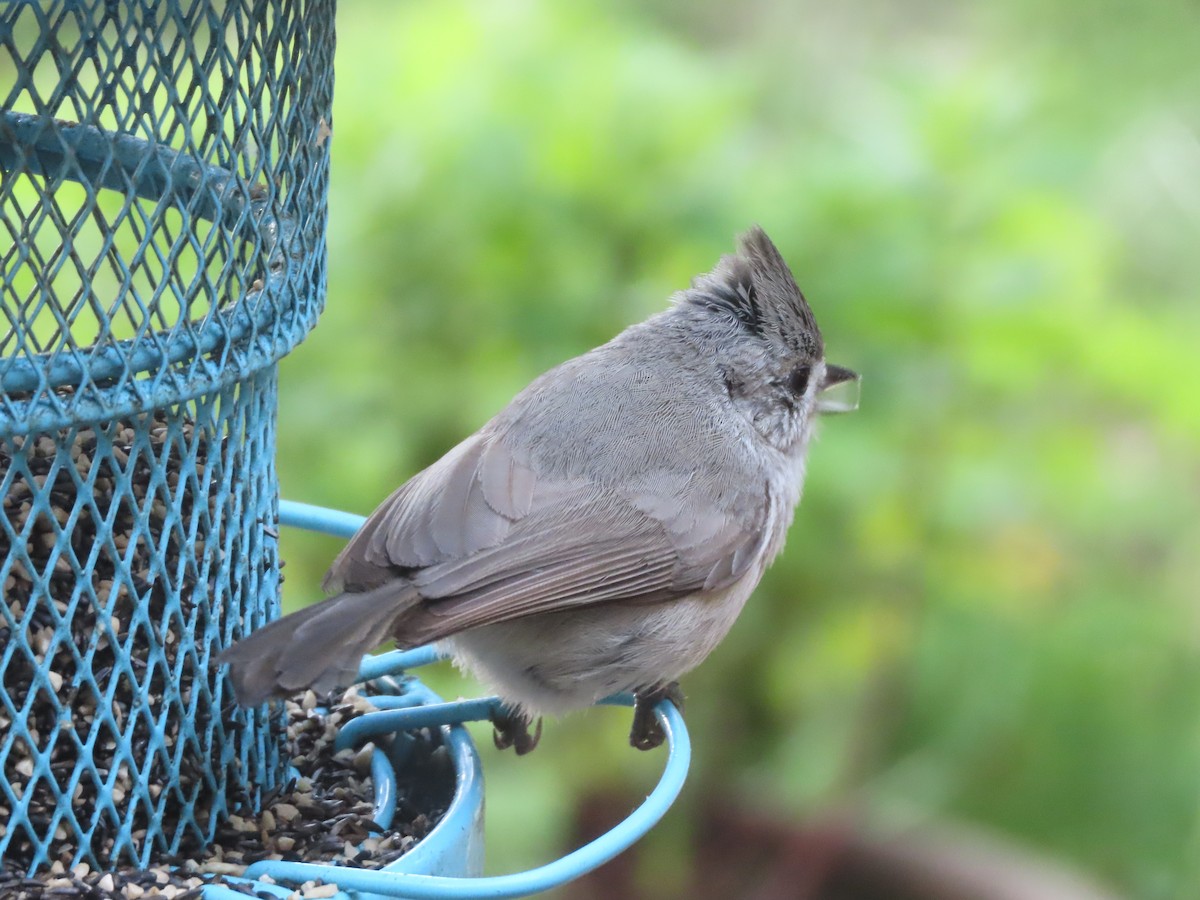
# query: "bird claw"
[[511, 729], [647, 732]]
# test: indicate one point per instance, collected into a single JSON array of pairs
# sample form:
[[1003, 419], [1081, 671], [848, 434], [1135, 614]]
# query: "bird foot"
[[647, 732], [511, 729]]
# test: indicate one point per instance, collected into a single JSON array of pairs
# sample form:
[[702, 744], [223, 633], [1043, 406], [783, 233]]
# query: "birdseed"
[[322, 815], [107, 502]]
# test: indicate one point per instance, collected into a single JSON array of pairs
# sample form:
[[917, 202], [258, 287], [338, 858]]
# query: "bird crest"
[[756, 289]]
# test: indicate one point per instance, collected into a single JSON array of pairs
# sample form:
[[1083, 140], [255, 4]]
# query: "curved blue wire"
[[319, 518], [389, 882], [383, 777], [396, 661]]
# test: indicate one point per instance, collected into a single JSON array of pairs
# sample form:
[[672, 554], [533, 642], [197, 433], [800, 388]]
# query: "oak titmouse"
[[601, 533]]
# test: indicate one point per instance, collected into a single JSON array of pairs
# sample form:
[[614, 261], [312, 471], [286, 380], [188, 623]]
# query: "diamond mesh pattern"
[[163, 175]]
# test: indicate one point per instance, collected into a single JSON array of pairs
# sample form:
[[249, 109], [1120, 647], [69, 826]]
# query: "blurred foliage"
[[988, 606]]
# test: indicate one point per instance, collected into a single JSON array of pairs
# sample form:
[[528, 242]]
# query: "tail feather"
[[319, 647]]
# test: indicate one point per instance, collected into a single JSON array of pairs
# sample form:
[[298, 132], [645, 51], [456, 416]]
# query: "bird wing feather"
[[465, 502], [484, 540]]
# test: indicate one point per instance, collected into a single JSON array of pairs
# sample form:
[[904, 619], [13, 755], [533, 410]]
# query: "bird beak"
[[839, 390]]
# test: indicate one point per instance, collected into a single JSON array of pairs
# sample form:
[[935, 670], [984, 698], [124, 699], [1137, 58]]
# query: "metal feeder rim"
[[70, 151], [398, 878]]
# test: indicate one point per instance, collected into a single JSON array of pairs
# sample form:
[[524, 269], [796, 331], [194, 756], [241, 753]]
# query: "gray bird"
[[602, 533]]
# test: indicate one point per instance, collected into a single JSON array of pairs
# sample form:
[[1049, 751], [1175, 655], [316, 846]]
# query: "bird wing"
[[484, 541], [466, 501]]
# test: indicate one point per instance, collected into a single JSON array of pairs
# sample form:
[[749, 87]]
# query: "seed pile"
[[322, 815], [325, 813], [114, 496]]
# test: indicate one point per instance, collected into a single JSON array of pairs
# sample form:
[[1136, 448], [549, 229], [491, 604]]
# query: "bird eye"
[[797, 382]]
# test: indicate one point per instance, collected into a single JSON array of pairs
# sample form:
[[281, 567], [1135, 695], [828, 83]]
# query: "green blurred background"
[[987, 610]]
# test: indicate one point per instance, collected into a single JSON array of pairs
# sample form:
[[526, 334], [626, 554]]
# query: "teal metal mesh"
[[163, 179]]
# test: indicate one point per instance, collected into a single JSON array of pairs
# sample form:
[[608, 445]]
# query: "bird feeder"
[[162, 231]]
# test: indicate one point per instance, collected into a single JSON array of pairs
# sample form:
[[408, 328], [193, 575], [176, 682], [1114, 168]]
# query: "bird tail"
[[318, 647]]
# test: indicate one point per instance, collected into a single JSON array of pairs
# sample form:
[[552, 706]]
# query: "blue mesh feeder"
[[163, 180], [163, 176]]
